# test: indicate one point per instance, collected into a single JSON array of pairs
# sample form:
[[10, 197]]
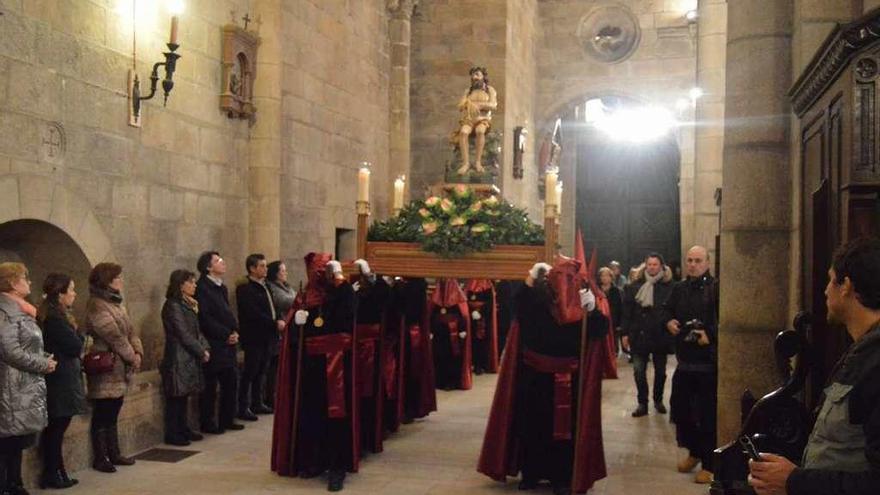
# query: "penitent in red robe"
[[537, 343], [451, 328], [416, 391], [484, 331], [316, 425]]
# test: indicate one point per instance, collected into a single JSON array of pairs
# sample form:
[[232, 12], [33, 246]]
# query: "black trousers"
[[53, 442], [225, 378], [176, 421], [106, 413], [640, 371], [10, 459], [250, 390], [693, 404]]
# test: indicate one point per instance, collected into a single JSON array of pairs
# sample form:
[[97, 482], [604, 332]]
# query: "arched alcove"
[[45, 248]]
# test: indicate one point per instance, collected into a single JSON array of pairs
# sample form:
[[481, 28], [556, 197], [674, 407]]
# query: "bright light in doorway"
[[175, 7], [696, 93], [637, 124], [692, 15], [594, 111]]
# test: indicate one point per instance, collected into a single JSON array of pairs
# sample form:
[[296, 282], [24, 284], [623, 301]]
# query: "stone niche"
[[239, 61]]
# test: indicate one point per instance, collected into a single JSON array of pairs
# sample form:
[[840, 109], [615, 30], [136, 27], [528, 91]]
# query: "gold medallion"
[[319, 322], [442, 311]]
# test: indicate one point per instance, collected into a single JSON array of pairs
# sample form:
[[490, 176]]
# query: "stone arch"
[[36, 197]]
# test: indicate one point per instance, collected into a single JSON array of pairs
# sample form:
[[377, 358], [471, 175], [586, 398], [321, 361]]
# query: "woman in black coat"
[[615, 300], [64, 388], [185, 351]]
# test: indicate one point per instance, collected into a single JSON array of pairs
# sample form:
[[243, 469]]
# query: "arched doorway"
[[627, 189], [45, 248]]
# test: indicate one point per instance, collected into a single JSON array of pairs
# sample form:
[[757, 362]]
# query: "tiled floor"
[[434, 456]]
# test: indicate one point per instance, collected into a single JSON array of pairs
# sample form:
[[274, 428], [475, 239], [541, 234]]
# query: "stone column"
[[709, 132], [756, 211], [400, 32], [264, 148]]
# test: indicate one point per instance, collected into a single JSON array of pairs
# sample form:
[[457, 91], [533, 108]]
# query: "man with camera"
[[691, 315], [842, 455]]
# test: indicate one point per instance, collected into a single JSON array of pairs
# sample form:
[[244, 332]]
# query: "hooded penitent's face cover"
[[316, 264], [565, 283]]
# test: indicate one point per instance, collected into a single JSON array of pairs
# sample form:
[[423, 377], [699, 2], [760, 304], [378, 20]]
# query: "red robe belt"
[[451, 322], [562, 369], [333, 346], [368, 336]]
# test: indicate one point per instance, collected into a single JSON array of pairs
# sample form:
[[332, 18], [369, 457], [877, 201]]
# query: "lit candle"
[[550, 181], [558, 202], [174, 20], [364, 184], [398, 193]]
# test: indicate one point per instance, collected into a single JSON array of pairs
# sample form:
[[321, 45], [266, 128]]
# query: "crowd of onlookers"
[[45, 352]]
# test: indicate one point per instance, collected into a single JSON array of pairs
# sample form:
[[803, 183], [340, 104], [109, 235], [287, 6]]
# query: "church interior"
[[146, 132]]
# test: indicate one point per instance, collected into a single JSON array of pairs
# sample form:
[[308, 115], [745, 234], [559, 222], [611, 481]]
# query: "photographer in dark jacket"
[[691, 315], [259, 333], [218, 325], [843, 453], [644, 335]]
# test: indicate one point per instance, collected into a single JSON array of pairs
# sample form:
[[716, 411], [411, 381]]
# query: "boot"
[[335, 480], [640, 411], [53, 479], [703, 477], [66, 477], [113, 449], [659, 407], [99, 446], [687, 464]]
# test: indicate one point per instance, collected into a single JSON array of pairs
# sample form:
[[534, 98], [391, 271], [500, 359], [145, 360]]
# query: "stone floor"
[[434, 456]]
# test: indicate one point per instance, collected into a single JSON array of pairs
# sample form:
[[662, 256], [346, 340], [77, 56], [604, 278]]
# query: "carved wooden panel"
[[409, 260], [864, 128]]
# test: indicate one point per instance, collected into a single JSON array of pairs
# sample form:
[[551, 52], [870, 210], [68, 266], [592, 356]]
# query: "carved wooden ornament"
[[239, 62]]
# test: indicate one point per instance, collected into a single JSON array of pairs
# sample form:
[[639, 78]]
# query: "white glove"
[[334, 266], [588, 300], [462, 335], [537, 268], [476, 315], [301, 317], [356, 286]]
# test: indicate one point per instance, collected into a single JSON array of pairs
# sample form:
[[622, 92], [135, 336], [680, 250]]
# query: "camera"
[[689, 328]]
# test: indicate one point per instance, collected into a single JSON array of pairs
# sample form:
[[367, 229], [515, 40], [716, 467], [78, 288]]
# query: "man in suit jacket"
[[259, 330], [218, 325]]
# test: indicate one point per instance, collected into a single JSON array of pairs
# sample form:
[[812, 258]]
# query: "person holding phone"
[[842, 455]]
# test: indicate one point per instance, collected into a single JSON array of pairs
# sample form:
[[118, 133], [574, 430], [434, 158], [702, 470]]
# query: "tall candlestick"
[[174, 21], [364, 184], [399, 184], [550, 181]]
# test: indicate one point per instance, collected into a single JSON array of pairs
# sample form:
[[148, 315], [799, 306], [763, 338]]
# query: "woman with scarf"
[[22, 366], [113, 335], [65, 391], [282, 298], [615, 302], [644, 335], [185, 351]]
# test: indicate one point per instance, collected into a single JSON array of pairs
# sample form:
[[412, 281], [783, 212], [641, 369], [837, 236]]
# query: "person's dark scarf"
[[107, 294]]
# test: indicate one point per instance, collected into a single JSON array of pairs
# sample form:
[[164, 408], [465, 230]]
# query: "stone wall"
[[334, 115], [661, 71]]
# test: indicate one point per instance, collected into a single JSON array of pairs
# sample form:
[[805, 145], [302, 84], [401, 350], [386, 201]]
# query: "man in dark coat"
[[645, 335], [218, 325], [259, 332], [691, 315], [546, 415], [316, 419]]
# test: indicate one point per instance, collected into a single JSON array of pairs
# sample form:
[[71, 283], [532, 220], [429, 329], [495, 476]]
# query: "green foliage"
[[459, 224]]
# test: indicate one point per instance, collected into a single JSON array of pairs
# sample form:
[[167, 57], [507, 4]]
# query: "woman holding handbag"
[[65, 392], [22, 366], [114, 342], [185, 351]]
